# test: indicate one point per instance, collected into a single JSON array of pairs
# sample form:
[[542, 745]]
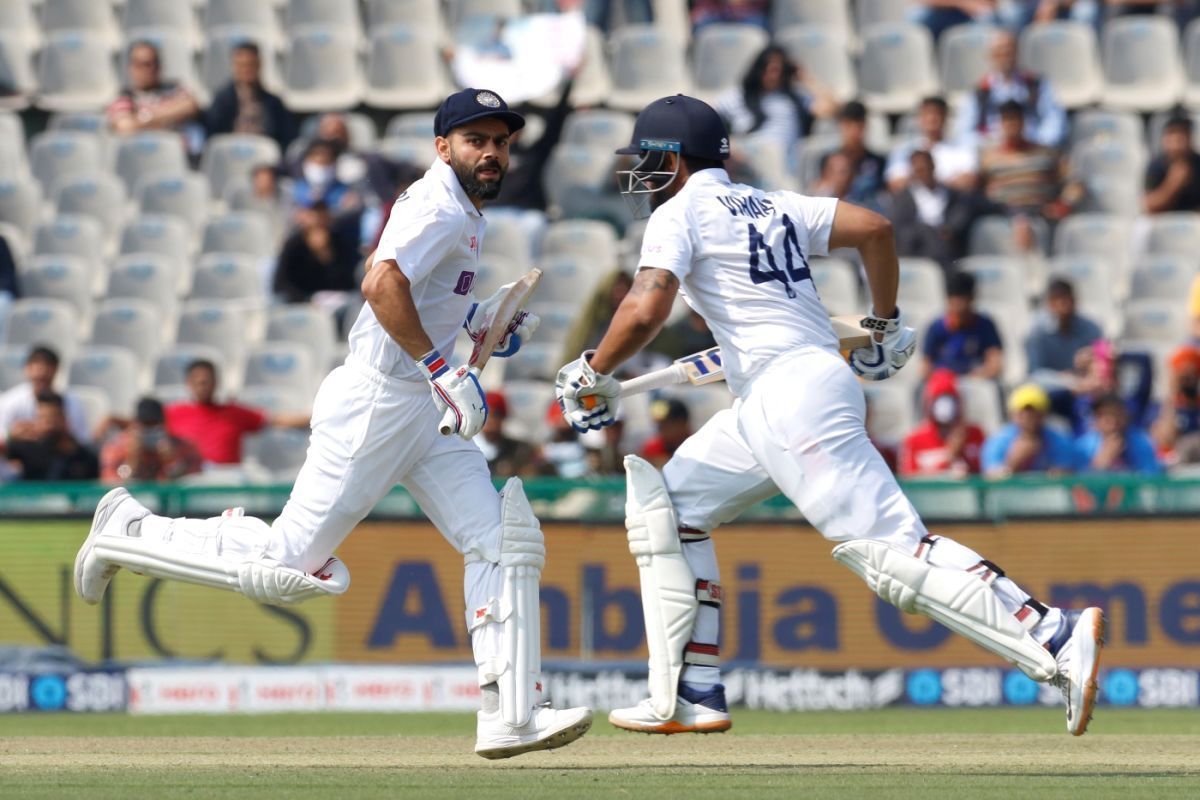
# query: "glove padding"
[[520, 328], [889, 353], [456, 394], [577, 381]]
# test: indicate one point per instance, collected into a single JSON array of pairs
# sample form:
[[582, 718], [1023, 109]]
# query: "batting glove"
[[883, 358], [457, 395], [589, 399], [520, 328]]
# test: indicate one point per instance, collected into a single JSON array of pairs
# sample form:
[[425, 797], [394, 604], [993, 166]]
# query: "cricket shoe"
[[697, 710], [115, 513], [1078, 664], [548, 728]]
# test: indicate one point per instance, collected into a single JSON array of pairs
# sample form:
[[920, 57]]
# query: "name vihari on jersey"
[[749, 206]]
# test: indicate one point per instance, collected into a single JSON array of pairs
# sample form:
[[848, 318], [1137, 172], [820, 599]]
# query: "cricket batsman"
[[375, 423], [741, 258]]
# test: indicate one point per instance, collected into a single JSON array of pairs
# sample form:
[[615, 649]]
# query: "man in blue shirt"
[[1026, 444], [1111, 444], [964, 341]]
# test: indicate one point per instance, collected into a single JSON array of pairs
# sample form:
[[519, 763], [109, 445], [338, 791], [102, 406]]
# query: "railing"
[[603, 500]]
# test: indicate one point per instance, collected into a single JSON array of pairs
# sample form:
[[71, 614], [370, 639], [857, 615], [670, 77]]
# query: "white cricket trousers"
[[800, 429]]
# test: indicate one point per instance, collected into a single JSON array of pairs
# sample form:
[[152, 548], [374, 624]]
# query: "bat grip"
[[672, 375]]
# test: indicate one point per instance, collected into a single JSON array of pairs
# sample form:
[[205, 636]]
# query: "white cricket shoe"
[[696, 711], [547, 729], [115, 513], [1078, 664]]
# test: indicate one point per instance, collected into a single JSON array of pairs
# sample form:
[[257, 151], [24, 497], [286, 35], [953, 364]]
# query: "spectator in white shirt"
[[957, 165], [18, 406]]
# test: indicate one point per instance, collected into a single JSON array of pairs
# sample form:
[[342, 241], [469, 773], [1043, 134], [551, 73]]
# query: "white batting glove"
[[888, 354], [589, 399], [521, 327], [457, 394]]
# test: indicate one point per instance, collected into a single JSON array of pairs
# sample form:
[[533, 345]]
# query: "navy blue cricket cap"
[[698, 129], [470, 105]]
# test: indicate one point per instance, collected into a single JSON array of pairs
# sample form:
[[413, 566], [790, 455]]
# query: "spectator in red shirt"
[[216, 429], [944, 443], [674, 424]]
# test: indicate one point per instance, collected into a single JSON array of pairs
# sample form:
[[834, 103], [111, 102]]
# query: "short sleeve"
[[667, 243], [995, 447], [249, 420], [418, 238], [989, 337], [1155, 173], [816, 217], [933, 339]]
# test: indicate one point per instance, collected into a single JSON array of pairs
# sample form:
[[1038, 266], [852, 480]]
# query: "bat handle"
[[670, 376]]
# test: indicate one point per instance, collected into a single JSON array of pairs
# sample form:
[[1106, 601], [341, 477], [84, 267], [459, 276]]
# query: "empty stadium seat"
[[981, 401], [1107, 158], [150, 233], [184, 197], [425, 14], [822, 54], [247, 232], [95, 403], [59, 16], [1120, 128], [70, 234], [1143, 70], [721, 54], [419, 125], [63, 277], [1065, 53], [1103, 234], [1163, 276], [149, 153], [993, 235], [1093, 275], [594, 81], [527, 404], [1153, 320], [598, 127], [12, 365], [114, 370], [231, 157], [21, 205], [170, 367], [14, 162], [272, 400], [75, 72], [278, 452], [1001, 278], [418, 150], [495, 271], [16, 71], [178, 17], [1191, 64], [963, 57], [329, 14], [305, 325], [100, 196], [567, 279], [891, 410], [17, 19], [256, 17], [1112, 194], [922, 285], [147, 276], [647, 63], [58, 155], [767, 159], [462, 10], [897, 68], [578, 178], [581, 238], [134, 324], [285, 365], [868, 12], [837, 284], [321, 71], [43, 321], [833, 14], [220, 324], [227, 276], [404, 69], [1176, 232], [1012, 322]]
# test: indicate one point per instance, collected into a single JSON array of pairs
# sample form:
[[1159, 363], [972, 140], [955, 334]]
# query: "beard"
[[471, 183]]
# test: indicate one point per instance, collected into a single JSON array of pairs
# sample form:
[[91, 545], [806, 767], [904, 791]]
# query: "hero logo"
[[465, 282]]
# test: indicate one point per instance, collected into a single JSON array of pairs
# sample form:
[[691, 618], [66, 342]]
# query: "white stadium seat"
[[134, 324], [305, 325], [721, 54], [1176, 232], [227, 276], [837, 284], [1163, 276], [963, 57], [405, 69], [231, 157], [833, 14], [58, 155], [147, 154], [71, 234], [75, 72], [1143, 70], [63, 277], [580, 238], [170, 367], [21, 204], [1066, 54], [43, 321], [114, 370], [247, 232], [822, 53], [897, 67], [184, 197], [97, 18], [321, 70], [16, 71], [285, 365], [647, 63], [146, 276]]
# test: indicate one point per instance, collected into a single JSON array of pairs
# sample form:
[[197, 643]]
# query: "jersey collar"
[[445, 174], [710, 176]]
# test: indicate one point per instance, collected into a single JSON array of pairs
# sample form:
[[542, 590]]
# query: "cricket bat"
[[705, 367], [493, 330]]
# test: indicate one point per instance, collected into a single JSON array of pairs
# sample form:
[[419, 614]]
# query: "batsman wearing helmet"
[[375, 423], [741, 258]]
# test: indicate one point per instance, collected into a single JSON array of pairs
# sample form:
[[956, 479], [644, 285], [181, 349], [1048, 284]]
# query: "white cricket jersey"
[[741, 256], [434, 235]]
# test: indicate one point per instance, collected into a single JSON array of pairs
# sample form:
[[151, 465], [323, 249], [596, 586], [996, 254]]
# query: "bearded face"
[[478, 154]]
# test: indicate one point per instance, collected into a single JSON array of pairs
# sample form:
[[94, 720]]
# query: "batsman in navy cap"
[[740, 257]]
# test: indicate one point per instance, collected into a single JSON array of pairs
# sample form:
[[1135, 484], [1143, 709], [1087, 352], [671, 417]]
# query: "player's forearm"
[[871, 234], [638, 320], [389, 294]]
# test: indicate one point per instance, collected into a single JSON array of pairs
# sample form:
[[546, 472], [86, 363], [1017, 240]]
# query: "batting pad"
[[668, 584], [957, 599]]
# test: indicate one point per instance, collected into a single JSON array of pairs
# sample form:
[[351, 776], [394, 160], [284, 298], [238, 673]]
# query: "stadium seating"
[[833, 14], [71, 234], [16, 72], [184, 197], [229, 158], [1142, 66], [227, 275], [221, 325], [647, 63], [997, 278], [277, 452], [321, 70], [180, 18], [170, 367], [404, 69], [837, 284], [60, 16], [43, 321], [164, 235], [113, 370], [822, 54], [176, 57], [12, 365], [963, 57], [868, 12], [328, 14], [218, 47], [247, 232], [1155, 320], [580, 238], [1066, 53], [425, 14], [721, 54], [147, 154], [101, 197], [257, 16], [284, 365], [1163, 276], [151, 277], [897, 67], [130, 323], [61, 276], [56, 155], [75, 72], [21, 205], [307, 326]]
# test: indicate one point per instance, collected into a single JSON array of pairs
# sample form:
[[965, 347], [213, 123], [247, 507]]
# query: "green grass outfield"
[[894, 753]]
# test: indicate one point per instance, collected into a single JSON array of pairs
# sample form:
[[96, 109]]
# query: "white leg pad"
[[957, 599], [517, 668], [263, 581], [668, 584]]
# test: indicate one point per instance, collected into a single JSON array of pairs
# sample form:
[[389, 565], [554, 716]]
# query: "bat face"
[[703, 367]]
